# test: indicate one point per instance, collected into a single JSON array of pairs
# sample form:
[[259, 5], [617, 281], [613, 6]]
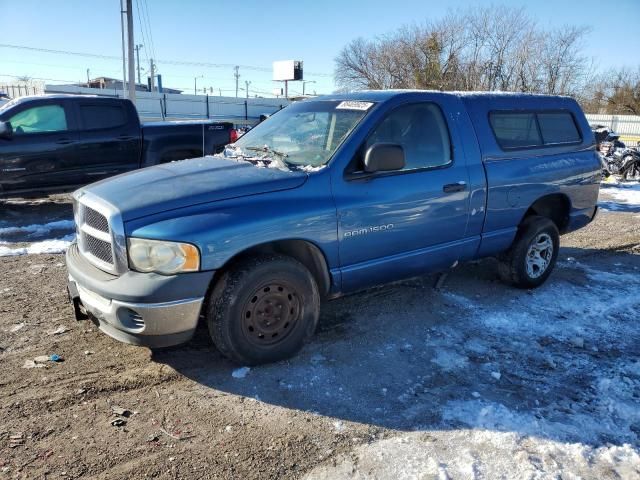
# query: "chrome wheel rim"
[[539, 255]]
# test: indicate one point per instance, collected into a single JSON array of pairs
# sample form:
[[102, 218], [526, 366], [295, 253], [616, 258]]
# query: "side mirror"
[[6, 131], [383, 157]]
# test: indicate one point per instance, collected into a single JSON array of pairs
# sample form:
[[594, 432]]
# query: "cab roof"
[[384, 95]]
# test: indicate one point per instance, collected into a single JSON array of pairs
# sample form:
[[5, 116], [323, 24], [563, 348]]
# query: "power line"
[[58, 65], [40, 78], [167, 62], [142, 33], [214, 79], [149, 32]]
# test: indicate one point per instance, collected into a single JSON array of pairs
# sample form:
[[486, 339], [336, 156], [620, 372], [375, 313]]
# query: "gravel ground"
[[475, 380]]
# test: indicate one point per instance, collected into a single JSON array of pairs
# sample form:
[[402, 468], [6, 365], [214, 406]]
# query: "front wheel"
[[263, 309], [531, 258]]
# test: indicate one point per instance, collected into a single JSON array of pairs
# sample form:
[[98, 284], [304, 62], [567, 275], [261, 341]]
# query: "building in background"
[[115, 84]]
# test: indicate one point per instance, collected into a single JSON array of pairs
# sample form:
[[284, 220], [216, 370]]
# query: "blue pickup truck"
[[326, 197]]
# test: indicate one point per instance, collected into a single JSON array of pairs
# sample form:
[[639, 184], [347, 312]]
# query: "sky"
[[254, 33]]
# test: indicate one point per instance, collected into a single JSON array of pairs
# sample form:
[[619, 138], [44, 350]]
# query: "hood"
[[189, 182]]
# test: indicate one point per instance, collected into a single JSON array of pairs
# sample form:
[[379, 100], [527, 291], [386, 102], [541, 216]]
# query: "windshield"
[[305, 133]]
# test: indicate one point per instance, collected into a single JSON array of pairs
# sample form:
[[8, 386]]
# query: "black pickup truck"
[[60, 142]]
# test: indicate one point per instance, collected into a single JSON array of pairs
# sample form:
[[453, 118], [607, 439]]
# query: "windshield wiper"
[[279, 156], [268, 149]]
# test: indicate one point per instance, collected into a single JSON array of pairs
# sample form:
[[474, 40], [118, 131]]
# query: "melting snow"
[[240, 372], [626, 195], [24, 234], [59, 245], [479, 454], [37, 230], [311, 168]]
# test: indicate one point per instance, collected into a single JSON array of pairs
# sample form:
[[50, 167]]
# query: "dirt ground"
[[397, 359]]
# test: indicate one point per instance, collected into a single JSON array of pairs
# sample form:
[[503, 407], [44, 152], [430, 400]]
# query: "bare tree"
[[625, 95], [563, 64], [489, 48]]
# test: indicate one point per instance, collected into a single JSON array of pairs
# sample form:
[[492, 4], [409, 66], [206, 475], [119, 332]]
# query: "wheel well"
[[305, 252], [555, 207]]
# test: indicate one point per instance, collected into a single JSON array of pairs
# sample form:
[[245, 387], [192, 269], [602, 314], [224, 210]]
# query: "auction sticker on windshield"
[[354, 105]]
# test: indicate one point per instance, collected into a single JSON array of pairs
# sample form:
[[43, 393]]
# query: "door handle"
[[454, 187], [64, 141], [125, 137]]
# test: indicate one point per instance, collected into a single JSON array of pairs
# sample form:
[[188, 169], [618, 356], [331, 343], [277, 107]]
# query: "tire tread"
[[510, 266], [223, 293]]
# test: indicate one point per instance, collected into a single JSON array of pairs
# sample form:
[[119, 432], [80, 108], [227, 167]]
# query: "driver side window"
[[422, 132], [41, 119]]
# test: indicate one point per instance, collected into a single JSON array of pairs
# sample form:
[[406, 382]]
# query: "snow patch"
[[59, 245], [37, 230], [477, 454], [311, 168], [449, 360], [626, 195], [240, 372]]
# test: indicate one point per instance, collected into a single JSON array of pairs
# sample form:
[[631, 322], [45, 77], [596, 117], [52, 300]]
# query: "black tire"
[[263, 309], [631, 172], [513, 264]]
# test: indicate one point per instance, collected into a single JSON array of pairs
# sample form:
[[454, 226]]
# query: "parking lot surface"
[[471, 380]]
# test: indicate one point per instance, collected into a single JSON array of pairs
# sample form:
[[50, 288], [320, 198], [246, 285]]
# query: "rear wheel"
[[263, 309], [531, 258]]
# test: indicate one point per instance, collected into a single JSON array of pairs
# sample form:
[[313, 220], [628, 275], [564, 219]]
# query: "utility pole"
[[88, 78], [246, 86], [124, 66], [237, 75], [152, 71], [195, 84], [138, 47], [131, 66]]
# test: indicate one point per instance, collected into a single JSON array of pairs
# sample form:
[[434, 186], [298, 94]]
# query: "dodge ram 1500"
[[330, 196]]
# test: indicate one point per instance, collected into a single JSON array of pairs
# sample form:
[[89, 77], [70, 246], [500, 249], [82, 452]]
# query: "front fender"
[[223, 229]]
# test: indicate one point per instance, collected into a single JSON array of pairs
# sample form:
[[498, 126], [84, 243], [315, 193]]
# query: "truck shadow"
[[560, 362]]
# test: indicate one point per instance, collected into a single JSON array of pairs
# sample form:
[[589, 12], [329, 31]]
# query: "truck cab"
[[52, 143], [330, 196], [59, 140]]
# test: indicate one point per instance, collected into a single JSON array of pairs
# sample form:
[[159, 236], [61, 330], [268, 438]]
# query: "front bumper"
[[138, 308]]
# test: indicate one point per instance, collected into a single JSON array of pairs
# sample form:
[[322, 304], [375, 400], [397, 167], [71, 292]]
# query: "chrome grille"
[[99, 231], [98, 248], [95, 219]]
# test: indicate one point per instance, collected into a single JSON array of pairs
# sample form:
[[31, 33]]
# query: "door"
[[399, 224], [109, 143], [41, 147]]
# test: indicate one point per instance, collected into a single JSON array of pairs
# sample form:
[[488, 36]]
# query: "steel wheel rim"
[[539, 255], [270, 314]]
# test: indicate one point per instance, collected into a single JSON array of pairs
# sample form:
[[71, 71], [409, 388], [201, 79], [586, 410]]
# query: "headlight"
[[162, 257]]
